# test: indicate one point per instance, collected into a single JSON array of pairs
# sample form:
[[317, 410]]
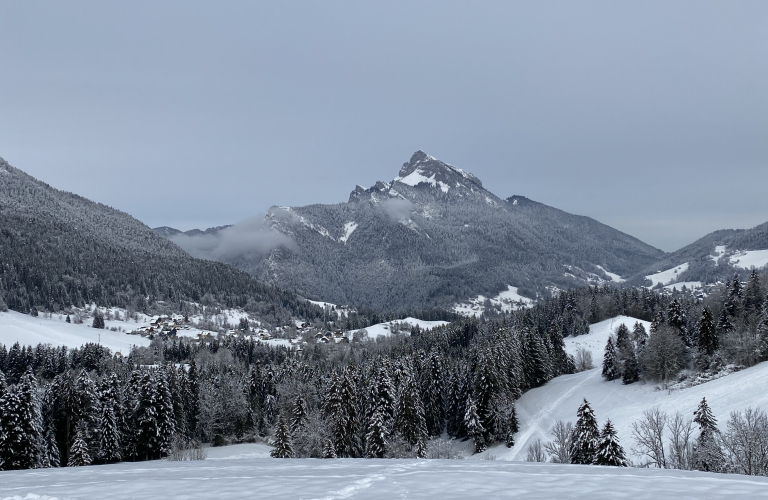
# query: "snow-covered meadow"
[[337, 479]]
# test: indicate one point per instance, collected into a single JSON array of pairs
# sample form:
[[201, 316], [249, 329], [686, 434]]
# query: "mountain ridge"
[[433, 236]]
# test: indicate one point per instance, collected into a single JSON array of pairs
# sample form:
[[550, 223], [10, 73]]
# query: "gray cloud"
[[247, 238], [396, 209]]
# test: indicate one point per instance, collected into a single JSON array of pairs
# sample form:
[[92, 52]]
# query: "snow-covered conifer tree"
[[707, 453], [377, 437], [298, 414], [609, 451], [283, 447], [611, 364], [708, 339], [474, 426], [585, 436], [78, 453]]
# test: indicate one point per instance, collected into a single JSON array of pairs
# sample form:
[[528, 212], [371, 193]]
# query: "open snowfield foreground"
[[265, 478], [539, 409], [28, 330]]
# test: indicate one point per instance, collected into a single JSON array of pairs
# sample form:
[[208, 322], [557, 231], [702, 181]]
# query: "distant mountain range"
[[433, 236], [58, 249]]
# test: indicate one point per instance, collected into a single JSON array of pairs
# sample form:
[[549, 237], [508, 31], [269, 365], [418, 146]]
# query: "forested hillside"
[[58, 249], [433, 236], [716, 256]]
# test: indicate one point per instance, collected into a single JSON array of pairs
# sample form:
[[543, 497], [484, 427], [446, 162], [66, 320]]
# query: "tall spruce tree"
[[609, 451], [585, 436], [283, 447], [611, 363], [753, 294], [474, 426], [707, 454], [376, 439], [79, 455], [708, 339]]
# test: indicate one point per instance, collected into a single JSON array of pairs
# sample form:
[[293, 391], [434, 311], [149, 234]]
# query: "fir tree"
[[630, 372], [585, 436], [609, 451], [724, 324], [78, 454], [474, 427], [98, 320], [329, 450], [376, 439], [611, 364], [299, 414], [623, 344], [30, 444], [762, 331], [753, 294], [733, 302], [639, 336], [676, 319], [708, 339], [109, 433], [707, 454], [410, 422], [283, 448]]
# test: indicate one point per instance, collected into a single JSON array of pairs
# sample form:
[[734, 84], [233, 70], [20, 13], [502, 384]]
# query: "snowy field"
[[540, 408], [385, 329], [668, 276], [749, 259], [28, 330], [241, 478], [507, 300]]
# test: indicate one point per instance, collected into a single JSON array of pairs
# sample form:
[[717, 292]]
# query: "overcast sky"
[[651, 117]]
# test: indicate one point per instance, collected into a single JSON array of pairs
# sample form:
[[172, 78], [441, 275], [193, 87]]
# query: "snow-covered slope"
[[668, 276], [28, 330], [507, 301], [386, 329], [239, 478], [749, 259], [540, 408]]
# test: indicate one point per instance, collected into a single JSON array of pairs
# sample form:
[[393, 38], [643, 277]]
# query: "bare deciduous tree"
[[746, 442], [649, 437], [559, 448]]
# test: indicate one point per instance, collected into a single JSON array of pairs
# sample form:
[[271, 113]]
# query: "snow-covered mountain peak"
[[425, 169]]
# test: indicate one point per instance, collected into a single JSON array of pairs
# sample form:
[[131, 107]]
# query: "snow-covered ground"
[[241, 478], [668, 276], [28, 330], [508, 300], [719, 252], [749, 259], [540, 408], [614, 277], [386, 329]]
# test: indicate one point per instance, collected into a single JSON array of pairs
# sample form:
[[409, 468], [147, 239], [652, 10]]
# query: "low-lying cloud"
[[397, 209], [249, 238]]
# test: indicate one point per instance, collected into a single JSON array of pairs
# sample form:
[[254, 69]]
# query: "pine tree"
[[283, 448], [623, 344], [410, 422], [630, 372], [639, 336], [611, 364], [585, 436], [78, 454], [733, 302], [724, 323], [762, 330], [98, 320], [753, 294], [432, 393], [474, 427], [676, 319], [299, 414], [329, 450], [707, 454], [30, 444], [109, 433], [708, 340], [52, 457], [378, 434], [609, 451]]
